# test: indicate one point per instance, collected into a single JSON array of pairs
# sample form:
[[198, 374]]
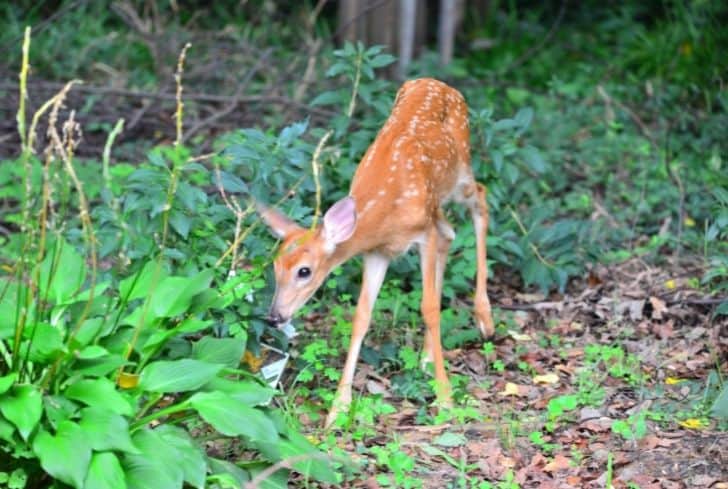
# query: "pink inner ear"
[[340, 221]]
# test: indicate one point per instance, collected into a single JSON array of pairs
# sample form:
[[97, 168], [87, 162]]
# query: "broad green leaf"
[[9, 291], [247, 392], [65, 456], [139, 284], [156, 466], [22, 406], [228, 471], [191, 457], [58, 408], [177, 375], [173, 295], [6, 431], [7, 381], [62, 273], [99, 393], [86, 294], [45, 342], [224, 351], [105, 472], [318, 466], [92, 352], [228, 416], [719, 409], [106, 430]]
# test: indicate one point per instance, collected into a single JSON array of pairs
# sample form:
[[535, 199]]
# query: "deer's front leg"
[[431, 314], [375, 267]]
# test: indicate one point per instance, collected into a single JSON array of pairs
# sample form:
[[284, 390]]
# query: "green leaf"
[[139, 284], [318, 466], [228, 471], [177, 376], [105, 430], [180, 223], [191, 457], [156, 466], [327, 98], [533, 159], [719, 409], [65, 456], [224, 351], [449, 439], [8, 306], [105, 472], [99, 393], [22, 406], [228, 416], [247, 392], [7, 381], [62, 273], [45, 342], [173, 295]]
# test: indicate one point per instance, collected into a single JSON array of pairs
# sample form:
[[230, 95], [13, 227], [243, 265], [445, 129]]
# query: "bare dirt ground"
[[654, 315]]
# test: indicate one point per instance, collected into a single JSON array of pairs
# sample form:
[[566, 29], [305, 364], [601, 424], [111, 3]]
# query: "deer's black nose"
[[275, 318]]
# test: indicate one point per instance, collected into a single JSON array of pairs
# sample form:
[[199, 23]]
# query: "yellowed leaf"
[[674, 381], [689, 222], [127, 380], [519, 336], [693, 424], [550, 378], [511, 389]]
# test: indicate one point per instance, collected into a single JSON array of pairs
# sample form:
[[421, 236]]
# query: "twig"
[[235, 98], [197, 97]]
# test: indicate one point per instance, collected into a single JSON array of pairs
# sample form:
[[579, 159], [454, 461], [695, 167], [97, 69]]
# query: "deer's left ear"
[[339, 223], [277, 222]]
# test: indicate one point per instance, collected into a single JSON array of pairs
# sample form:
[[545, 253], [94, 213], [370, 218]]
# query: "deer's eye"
[[304, 272]]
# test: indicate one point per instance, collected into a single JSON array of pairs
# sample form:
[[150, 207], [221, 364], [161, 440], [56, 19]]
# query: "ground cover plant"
[[134, 274]]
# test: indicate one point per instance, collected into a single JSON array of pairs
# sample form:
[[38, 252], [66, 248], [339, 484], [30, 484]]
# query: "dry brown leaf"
[[658, 307], [560, 462]]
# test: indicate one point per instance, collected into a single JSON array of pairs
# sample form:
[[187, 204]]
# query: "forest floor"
[[568, 408]]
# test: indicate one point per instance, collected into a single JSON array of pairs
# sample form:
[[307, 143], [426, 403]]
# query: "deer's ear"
[[339, 223], [277, 222]]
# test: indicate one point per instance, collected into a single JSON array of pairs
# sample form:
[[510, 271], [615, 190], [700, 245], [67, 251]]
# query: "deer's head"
[[305, 256]]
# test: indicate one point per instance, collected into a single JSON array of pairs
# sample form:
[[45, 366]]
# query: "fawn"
[[419, 161]]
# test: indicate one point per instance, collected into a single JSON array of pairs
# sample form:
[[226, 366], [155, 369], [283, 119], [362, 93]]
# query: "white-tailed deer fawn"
[[419, 161]]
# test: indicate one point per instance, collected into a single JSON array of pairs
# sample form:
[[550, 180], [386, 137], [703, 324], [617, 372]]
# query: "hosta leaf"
[[66, 455], [173, 295], [317, 466], [247, 392], [105, 472], [99, 393], [228, 416], [177, 376], [156, 466], [191, 457], [62, 273], [22, 406], [139, 284], [224, 351], [6, 382], [105, 430]]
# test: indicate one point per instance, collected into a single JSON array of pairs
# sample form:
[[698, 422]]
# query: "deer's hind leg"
[[472, 194]]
